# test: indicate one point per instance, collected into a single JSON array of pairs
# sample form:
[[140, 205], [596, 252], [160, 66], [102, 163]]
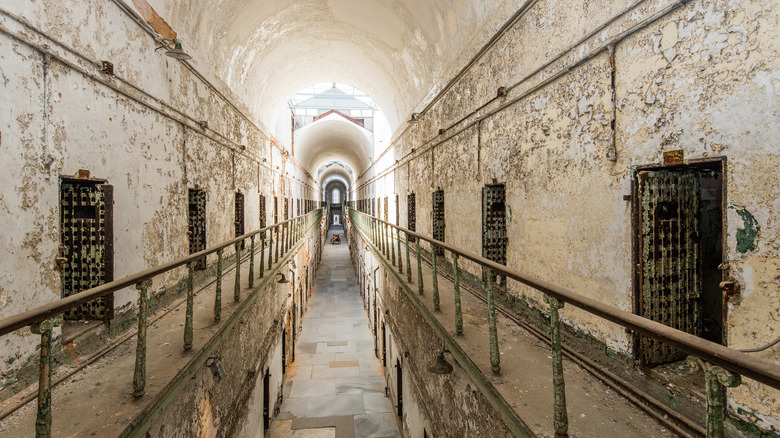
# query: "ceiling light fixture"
[[176, 52]]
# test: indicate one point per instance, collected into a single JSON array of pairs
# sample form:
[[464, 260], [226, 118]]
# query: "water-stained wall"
[[152, 129], [593, 91]]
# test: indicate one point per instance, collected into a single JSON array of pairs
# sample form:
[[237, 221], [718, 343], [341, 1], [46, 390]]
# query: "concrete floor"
[[336, 386]]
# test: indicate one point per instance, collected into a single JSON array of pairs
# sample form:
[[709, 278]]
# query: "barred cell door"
[[669, 257], [262, 212], [86, 234], [411, 214], [494, 226], [196, 218], [438, 219], [239, 216]]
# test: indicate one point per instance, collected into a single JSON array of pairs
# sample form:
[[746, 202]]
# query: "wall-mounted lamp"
[[440, 365], [177, 52], [281, 279], [215, 364]]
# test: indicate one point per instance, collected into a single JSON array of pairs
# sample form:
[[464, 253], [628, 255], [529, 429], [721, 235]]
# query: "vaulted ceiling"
[[399, 52]]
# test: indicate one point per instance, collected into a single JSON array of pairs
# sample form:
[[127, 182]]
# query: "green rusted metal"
[[456, 281], [43, 418], [420, 287], [251, 261], [278, 237], [237, 283], [408, 260], [139, 374], [560, 415], [392, 246], [400, 256], [435, 278], [190, 304], [218, 292], [670, 258], [262, 255], [716, 380], [495, 358]]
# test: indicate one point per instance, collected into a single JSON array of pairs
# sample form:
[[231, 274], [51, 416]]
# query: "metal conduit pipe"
[[196, 126], [424, 148], [145, 26]]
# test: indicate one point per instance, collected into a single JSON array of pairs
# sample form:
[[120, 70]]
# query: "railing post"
[[43, 419], [408, 260], [237, 283], [262, 254], [278, 237], [458, 312], [218, 292], [289, 237], [420, 287], [139, 374], [190, 304], [435, 278], [400, 256], [561, 418], [716, 379], [392, 246], [495, 358], [251, 261]]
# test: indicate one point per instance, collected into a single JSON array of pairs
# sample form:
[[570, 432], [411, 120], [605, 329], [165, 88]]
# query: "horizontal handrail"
[[717, 354], [57, 307]]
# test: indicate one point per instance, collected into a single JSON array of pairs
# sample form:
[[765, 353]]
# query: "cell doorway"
[[679, 221]]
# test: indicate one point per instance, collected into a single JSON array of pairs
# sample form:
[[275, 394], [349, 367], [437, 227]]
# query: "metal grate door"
[[494, 236], [670, 257], [239, 216], [438, 219], [411, 214], [196, 218], [262, 212], [86, 234]]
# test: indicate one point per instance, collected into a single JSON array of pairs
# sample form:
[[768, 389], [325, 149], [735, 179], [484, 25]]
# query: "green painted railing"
[[43, 319], [722, 366]]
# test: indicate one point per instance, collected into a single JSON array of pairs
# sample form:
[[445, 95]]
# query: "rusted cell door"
[[494, 236], [267, 400], [262, 212], [387, 208], [239, 216], [276, 209], [438, 219], [411, 214], [286, 208], [196, 219], [399, 388], [670, 258], [87, 250], [397, 211]]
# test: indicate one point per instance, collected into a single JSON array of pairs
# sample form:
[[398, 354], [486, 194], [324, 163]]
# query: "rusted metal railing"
[[43, 319], [721, 365]]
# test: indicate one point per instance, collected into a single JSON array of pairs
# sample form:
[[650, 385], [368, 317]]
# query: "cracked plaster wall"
[[703, 78], [68, 121]]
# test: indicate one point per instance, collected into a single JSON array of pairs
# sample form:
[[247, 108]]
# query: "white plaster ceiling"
[[399, 52], [333, 138]]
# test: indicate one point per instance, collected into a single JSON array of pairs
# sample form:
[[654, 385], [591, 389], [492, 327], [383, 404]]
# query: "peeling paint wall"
[[702, 78], [139, 129]]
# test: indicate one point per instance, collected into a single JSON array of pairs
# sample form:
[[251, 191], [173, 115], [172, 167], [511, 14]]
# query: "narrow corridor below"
[[335, 387]]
